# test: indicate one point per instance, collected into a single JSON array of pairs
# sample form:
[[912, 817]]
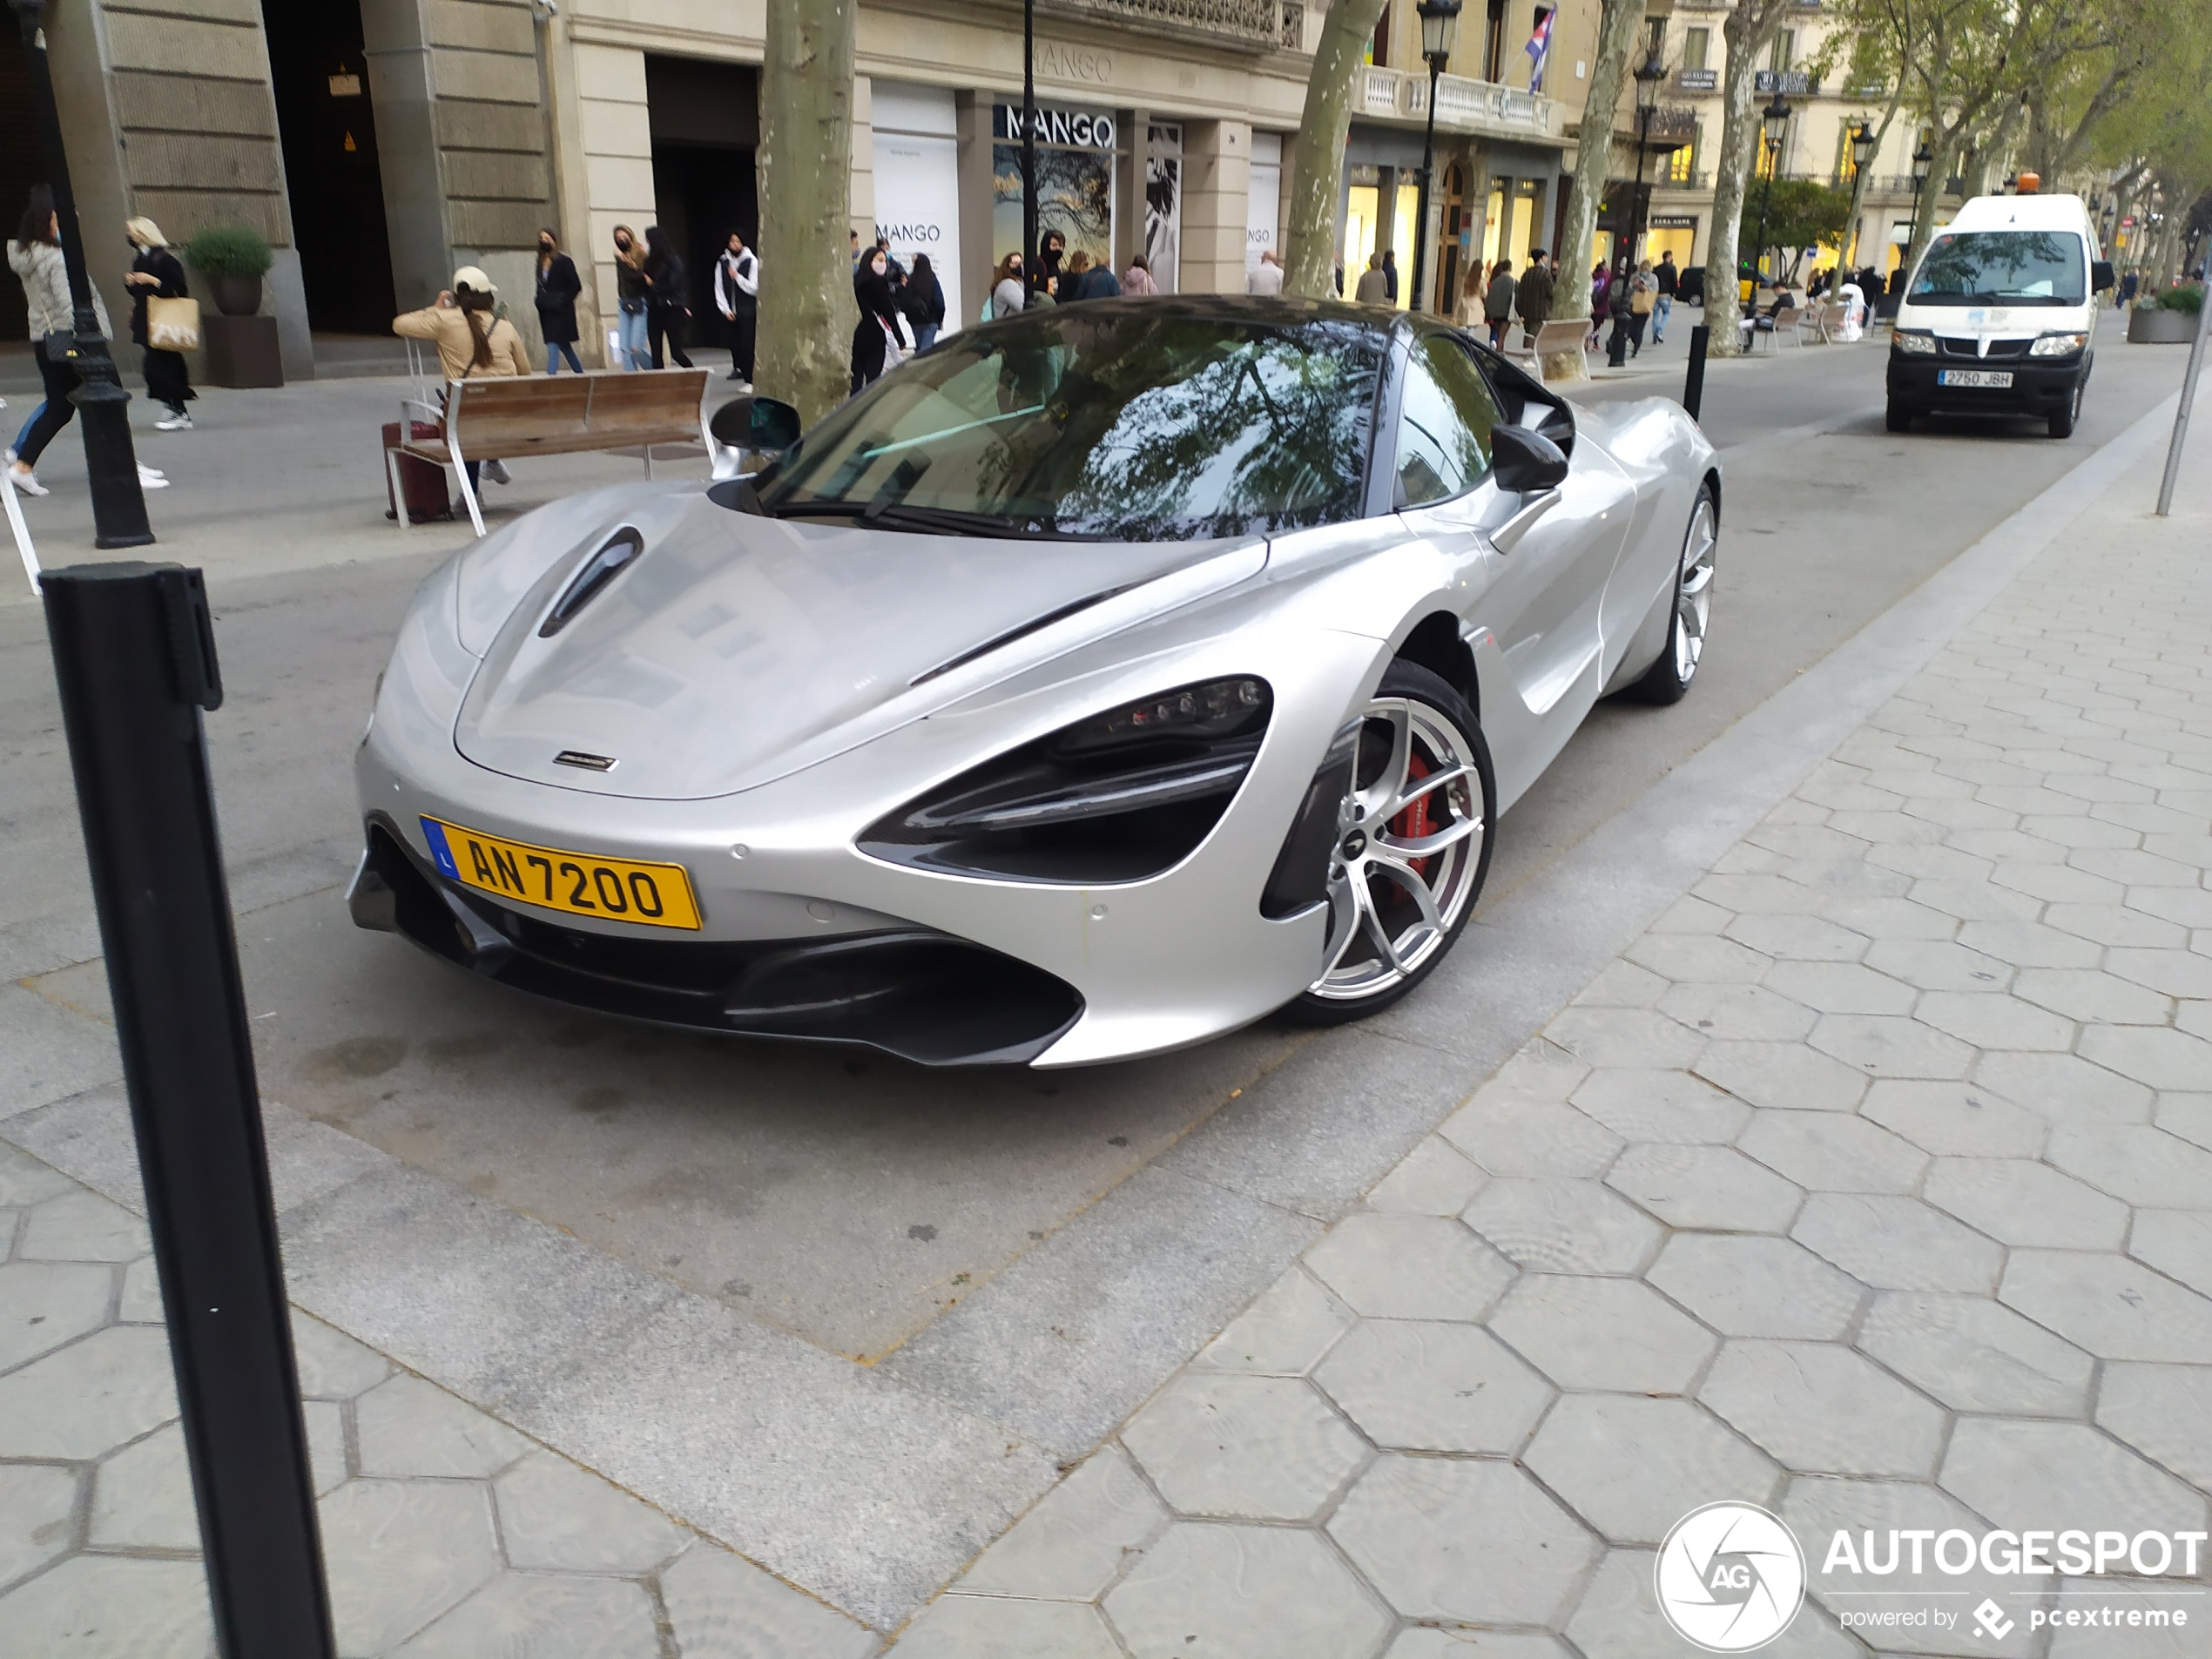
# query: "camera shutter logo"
[[1730, 1578]]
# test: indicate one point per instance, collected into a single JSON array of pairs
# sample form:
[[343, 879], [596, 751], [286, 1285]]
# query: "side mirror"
[[2101, 277], [1526, 461], [761, 424]]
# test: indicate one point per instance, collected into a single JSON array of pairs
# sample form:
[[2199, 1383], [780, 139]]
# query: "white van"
[[2000, 315]]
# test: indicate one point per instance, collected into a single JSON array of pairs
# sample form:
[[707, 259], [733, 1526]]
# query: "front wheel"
[[2062, 422], [1413, 847], [1669, 675], [1899, 416]]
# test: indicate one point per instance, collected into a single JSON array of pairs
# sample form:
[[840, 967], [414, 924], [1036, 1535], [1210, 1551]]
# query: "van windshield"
[[2002, 268]]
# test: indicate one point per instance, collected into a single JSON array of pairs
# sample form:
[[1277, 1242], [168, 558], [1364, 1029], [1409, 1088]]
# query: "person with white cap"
[[472, 339]]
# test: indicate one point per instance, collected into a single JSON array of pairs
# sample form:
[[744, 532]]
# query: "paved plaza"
[[1864, 1173]]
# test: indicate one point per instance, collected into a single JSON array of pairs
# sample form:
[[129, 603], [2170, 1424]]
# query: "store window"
[[917, 181], [1076, 152]]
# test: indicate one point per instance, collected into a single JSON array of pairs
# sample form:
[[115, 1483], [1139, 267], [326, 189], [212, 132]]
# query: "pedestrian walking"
[[923, 303], [1601, 282], [1498, 301], [1010, 292], [155, 274], [1466, 304], [876, 342], [1389, 274], [35, 255], [1534, 301], [1643, 303], [1266, 277], [736, 296], [1138, 278], [473, 341], [670, 307], [1374, 287], [632, 296], [557, 288], [1669, 286]]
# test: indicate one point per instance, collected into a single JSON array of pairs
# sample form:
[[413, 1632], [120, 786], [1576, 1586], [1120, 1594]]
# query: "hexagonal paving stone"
[[1750, 1285], [1897, 1244], [1243, 1593], [1737, 1013], [142, 1496], [1880, 918], [1422, 1385], [1715, 1188], [1409, 1267], [1822, 1409], [1434, 1179], [1628, 1464], [1624, 1037], [1075, 1542], [720, 1606], [1994, 1020], [1690, 959], [1885, 1045], [1833, 1152], [2092, 997], [1661, 1106], [1782, 1076], [2177, 972], [1938, 965], [1563, 1226], [80, 1401], [1795, 938], [556, 1516], [1510, 1136], [2115, 1308], [82, 1226], [1618, 1617], [2116, 925], [128, 1606], [1976, 1355], [408, 1426], [1841, 988], [1622, 985], [37, 1502], [2187, 1115], [588, 1618], [2023, 1473], [401, 1553], [2019, 1202], [44, 1305], [2027, 944], [2178, 1243], [1608, 1334], [332, 1365], [1461, 1642], [1963, 1119], [2064, 1087], [2160, 1058], [2164, 1412], [989, 1627], [1262, 1448], [1283, 1334], [2135, 1163], [1474, 1540]]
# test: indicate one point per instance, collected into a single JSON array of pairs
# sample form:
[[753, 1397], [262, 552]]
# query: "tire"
[[1899, 416], [1383, 940], [2062, 422], [1670, 673]]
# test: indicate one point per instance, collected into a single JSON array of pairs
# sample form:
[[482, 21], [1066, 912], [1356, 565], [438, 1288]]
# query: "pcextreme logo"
[[1731, 1577]]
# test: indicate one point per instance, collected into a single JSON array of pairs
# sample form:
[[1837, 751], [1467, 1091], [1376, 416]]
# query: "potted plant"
[[2169, 320], [233, 259]]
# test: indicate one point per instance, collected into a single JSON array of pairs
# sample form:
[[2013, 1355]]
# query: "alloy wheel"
[[1694, 591]]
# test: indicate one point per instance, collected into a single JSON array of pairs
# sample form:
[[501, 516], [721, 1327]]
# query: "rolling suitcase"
[[423, 480]]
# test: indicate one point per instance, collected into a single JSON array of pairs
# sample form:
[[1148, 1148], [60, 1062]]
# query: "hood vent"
[[598, 570]]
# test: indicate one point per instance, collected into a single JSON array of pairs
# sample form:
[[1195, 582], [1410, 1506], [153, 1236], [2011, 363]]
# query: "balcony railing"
[[1462, 104], [1268, 24]]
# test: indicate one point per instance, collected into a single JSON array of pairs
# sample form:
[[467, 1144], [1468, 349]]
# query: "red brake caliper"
[[1415, 821]]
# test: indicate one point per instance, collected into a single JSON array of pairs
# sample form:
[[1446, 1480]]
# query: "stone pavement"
[[1873, 1184]]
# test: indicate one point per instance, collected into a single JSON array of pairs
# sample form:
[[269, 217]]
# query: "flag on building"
[[1539, 49]]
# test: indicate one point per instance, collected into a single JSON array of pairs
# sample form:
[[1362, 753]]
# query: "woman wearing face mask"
[[1008, 291], [878, 329], [557, 288], [671, 307], [631, 295], [155, 274]]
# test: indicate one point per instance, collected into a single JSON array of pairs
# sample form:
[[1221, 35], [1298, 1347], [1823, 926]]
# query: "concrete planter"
[[2156, 325]]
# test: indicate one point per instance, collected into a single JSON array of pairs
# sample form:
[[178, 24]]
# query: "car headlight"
[[1118, 797], [2058, 345], [1914, 343]]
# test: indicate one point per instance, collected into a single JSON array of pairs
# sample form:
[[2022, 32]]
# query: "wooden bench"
[[512, 419]]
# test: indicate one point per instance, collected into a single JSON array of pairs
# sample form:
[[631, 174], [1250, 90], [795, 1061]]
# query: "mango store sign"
[[1066, 129]]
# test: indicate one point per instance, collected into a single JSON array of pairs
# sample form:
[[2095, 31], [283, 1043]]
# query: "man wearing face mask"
[[557, 288], [737, 289]]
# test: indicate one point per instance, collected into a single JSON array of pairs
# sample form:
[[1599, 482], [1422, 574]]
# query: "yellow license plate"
[[578, 884]]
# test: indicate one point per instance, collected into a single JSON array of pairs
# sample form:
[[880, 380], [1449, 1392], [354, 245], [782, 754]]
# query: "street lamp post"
[[1772, 121], [1863, 142], [111, 463], [1649, 74], [1439, 28], [1030, 275]]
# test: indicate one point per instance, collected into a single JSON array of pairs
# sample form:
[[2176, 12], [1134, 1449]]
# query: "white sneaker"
[[25, 480], [178, 423], [149, 479], [497, 471]]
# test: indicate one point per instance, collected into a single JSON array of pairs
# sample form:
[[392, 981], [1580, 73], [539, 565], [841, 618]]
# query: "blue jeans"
[[555, 351], [636, 353], [1659, 319], [21, 436], [924, 335]]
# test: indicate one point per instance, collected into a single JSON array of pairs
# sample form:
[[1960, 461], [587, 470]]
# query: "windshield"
[[2002, 268], [1132, 420]]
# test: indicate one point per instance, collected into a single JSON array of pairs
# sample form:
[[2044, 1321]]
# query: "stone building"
[[380, 142]]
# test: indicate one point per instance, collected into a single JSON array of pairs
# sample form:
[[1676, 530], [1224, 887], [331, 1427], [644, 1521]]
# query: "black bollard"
[[1693, 386], [134, 655]]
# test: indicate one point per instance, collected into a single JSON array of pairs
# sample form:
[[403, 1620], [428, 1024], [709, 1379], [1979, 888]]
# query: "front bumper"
[[912, 992], [2041, 386]]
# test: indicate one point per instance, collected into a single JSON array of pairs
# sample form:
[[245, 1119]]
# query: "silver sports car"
[[1104, 679]]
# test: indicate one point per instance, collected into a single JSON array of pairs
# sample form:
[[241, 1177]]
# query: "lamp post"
[[111, 463], [1772, 121], [1863, 142], [1030, 276], [1649, 74], [1439, 28]]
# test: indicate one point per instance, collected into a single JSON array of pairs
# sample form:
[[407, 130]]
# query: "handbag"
[[173, 324], [1642, 301]]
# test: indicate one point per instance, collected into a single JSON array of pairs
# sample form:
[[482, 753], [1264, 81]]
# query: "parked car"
[[1102, 681]]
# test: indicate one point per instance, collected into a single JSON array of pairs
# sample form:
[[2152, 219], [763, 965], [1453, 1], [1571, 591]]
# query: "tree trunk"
[[805, 167], [1943, 153], [1749, 28], [1618, 21], [1316, 157]]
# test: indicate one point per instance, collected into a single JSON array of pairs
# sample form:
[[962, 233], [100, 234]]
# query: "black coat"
[[159, 262], [668, 295], [924, 300], [557, 288]]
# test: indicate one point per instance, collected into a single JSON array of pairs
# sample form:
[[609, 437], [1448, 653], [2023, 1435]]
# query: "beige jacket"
[[448, 327], [46, 285]]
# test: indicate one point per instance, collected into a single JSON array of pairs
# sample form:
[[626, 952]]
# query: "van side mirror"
[[1526, 461], [2101, 277], [761, 424]]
